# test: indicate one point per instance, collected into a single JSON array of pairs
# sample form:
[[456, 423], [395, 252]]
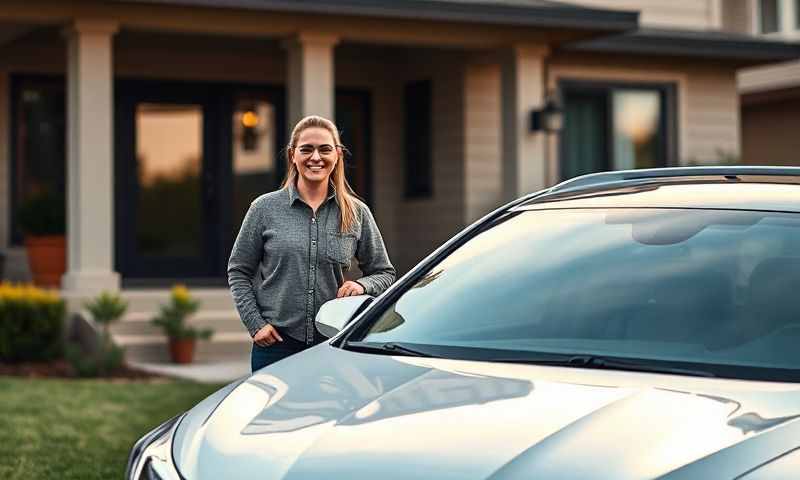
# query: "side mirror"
[[335, 314]]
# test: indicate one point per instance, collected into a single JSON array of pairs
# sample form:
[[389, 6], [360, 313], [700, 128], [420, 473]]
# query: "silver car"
[[625, 325]]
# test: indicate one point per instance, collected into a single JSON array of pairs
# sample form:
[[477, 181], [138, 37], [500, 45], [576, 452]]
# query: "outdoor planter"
[[173, 318], [181, 350], [47, 258], [42, 221]]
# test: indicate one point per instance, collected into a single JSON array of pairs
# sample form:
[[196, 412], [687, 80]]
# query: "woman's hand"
[[267, 336], [350, 288]]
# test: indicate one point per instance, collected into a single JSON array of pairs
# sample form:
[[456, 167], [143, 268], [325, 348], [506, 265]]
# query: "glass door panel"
[[169, 158]]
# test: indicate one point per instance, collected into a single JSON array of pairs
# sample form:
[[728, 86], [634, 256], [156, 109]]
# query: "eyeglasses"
[[325, 150]]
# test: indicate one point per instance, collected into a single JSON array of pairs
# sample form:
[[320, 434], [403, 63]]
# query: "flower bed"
[[31, 323]]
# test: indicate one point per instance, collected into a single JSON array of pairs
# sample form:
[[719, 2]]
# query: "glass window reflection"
[[636, 127]]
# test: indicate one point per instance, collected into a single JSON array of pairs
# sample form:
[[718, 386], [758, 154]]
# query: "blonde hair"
[[345, 196]]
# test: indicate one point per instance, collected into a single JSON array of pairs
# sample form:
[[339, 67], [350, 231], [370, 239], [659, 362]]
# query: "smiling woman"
[[295, 243]]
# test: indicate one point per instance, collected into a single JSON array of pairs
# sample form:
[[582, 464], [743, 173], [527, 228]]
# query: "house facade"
[[770, 95], [158, 121]]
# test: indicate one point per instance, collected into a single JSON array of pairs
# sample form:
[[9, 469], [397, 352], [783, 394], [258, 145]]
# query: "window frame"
[[668, 115]]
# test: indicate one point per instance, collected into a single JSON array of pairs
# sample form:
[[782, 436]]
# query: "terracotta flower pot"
[[181, 350], [47, 257]]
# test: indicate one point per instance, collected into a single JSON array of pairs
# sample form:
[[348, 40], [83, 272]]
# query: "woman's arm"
[[242, 265], [373, 260]]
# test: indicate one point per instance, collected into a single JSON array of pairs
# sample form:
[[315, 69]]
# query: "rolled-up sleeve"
[[373, 260], [244, 260]]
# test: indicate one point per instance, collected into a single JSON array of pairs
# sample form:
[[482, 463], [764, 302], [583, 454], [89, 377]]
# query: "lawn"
[[82, 429]]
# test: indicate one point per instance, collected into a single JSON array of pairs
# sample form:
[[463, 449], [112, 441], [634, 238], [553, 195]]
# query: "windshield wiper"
[[389, 348], [603, 363]]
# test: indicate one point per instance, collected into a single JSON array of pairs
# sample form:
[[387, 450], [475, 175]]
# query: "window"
[[616, 127], [769, 17], [797, 14], [418, 140], [38, 139]]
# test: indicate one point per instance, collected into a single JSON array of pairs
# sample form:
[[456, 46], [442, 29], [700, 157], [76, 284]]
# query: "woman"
[[294, 244]]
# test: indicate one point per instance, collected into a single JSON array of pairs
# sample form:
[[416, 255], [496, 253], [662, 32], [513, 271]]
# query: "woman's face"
[[315, 155]]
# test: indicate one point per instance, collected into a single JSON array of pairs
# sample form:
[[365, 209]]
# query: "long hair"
[[345, 197]]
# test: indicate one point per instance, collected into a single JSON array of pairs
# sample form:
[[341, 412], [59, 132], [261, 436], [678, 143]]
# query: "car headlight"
[[151, 456]]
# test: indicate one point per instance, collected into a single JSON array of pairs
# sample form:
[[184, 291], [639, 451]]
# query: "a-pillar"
[[310, 78], [90, 158], [523, 90]]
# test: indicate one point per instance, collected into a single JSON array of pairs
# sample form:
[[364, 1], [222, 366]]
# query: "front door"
[[190, 159]]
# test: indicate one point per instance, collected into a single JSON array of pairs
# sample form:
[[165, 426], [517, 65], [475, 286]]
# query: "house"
[[160, 120], [770, 95]]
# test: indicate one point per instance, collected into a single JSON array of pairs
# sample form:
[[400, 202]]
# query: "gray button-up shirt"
[[287, 261]]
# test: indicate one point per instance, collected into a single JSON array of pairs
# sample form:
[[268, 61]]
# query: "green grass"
[[82, 429]]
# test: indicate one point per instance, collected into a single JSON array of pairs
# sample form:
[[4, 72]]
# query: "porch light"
[[550, 119], [250, 119]]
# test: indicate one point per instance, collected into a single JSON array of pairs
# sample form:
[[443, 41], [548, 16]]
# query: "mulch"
[[63, 369]]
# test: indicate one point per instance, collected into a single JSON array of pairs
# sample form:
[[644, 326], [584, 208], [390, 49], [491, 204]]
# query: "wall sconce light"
[[250, 121], [550, 119]]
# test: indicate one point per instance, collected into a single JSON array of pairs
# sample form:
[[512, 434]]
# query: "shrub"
[[104, 361], [172, 316], [42, 214], [31, 323], [106, 308], [106, 357]]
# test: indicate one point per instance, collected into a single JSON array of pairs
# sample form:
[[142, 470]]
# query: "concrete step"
[[140, 323], [226, 346], [150, 300]]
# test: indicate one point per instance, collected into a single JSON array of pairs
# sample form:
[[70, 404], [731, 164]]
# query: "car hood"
[[337, 414]]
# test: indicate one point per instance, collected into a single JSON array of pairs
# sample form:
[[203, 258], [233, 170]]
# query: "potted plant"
[[42, 221], [172, 318]]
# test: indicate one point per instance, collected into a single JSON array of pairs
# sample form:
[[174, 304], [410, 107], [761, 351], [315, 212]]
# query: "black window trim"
[[669, 112], [410, 189]]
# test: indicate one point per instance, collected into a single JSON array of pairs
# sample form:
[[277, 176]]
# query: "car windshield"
[[714, 288]]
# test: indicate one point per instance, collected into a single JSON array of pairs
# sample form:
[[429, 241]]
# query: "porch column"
[[90, 173], [310, 79], [523, 90]]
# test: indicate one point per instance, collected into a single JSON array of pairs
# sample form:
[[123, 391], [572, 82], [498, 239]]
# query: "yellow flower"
[[26, 293], [180, 293]]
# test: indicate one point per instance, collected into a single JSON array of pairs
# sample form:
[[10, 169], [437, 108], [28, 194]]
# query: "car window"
[[716, 287]]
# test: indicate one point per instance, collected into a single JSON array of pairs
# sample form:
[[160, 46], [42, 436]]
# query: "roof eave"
[[609, 21], [740, 50]]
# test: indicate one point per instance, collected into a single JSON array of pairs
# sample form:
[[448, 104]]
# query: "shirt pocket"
[[341, 248]]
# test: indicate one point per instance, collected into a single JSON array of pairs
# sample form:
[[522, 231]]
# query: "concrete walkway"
[[216, 372]]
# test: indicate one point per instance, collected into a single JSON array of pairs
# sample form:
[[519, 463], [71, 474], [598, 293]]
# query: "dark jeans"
[[260, 357]]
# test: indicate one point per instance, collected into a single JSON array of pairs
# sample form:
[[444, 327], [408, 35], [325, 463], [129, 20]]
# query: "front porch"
[[171, 129]]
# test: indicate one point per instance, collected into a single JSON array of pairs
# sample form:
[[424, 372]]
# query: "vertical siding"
[[483, 141], [379, 77], [424, 224], [712, 130], [769, 133], [737, 16], [693, 14]]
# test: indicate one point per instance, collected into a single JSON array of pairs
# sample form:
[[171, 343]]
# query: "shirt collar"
[[294, 195]]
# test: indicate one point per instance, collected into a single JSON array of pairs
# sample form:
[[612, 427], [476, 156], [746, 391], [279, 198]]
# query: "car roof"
[[741, 188]]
